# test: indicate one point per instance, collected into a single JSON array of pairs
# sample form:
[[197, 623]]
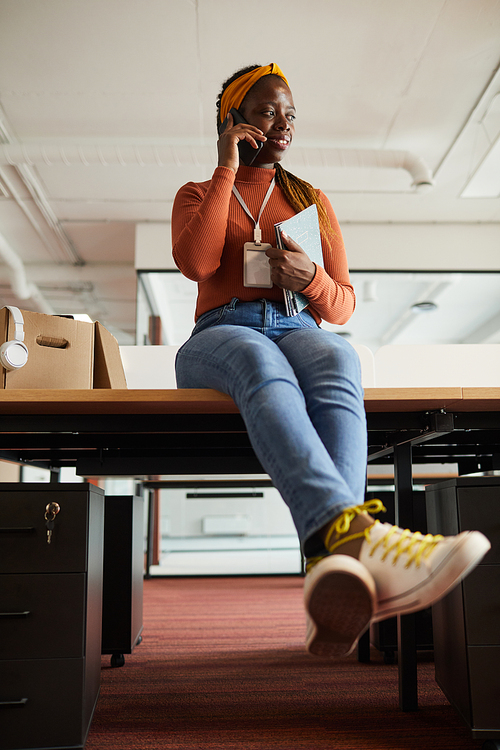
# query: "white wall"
[[424, 247]]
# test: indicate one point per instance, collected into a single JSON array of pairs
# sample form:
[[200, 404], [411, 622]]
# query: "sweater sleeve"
[[199, 221], [330, 293]]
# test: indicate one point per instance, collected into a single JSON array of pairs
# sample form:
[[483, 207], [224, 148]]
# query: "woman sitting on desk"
[[297, 386]]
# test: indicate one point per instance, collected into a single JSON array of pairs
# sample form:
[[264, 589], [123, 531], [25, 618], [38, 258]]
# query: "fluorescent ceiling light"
[[485, 182], [423, 307]]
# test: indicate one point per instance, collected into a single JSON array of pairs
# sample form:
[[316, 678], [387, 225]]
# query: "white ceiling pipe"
[[20, 285], [422, 175], [15, 270], [367, 159], [161, 155], [40, 302], [31, 211]]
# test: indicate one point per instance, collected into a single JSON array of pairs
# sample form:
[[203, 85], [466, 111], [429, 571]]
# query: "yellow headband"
[[238, 89]]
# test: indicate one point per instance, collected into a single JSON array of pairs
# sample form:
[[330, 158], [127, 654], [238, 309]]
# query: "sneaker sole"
[[453, 569], [340, 598]]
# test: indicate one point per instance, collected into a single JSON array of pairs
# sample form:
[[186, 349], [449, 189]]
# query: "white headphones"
[[14, 354]]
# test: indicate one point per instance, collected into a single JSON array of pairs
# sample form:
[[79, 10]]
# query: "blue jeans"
[[298, 389]]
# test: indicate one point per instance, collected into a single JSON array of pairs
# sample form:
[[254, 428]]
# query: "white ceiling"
[[108, 107]]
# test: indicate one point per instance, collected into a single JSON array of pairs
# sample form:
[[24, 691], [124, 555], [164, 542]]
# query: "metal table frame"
[[172, 433]]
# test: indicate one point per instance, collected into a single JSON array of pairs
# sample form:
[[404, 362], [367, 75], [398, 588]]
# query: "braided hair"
[[299, 193]]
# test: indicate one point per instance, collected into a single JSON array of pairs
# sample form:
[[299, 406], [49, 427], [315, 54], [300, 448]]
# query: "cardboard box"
[[62, 353], [108, 366]]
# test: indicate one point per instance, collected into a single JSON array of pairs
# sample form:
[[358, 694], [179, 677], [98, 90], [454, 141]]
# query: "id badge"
[[256, 268]]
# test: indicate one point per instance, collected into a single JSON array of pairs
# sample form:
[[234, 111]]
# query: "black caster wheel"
[[491, 745], [139, 641], [117, 660]]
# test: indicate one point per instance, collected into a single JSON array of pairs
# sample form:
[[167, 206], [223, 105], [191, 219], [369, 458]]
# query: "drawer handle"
[[17, 530], [14, 615], [14, 704]]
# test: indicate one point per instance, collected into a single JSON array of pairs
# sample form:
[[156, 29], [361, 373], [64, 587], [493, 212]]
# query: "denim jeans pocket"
[[210, 318], [306, 319]]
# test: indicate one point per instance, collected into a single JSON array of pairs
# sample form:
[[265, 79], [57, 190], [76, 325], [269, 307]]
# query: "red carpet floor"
[[222, 665]]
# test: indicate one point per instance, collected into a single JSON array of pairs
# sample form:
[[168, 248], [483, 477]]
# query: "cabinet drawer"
[[41, 704], [482, 606], [466, 503], [42, 616], [484, 680], [23, 534], [479, 508]]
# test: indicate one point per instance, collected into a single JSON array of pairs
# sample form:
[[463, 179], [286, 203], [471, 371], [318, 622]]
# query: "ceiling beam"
[[483, 334]]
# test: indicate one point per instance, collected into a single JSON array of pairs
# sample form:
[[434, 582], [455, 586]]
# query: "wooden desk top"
[[205, 401], [107, 401], [480, 399], [410, 399]]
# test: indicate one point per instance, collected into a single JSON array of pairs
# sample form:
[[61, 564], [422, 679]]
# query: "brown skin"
[[268, 107]]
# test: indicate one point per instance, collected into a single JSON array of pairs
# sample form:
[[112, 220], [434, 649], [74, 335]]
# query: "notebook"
[[304, 229]]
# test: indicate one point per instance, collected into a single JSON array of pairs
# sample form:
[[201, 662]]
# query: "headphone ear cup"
[[13, 355]]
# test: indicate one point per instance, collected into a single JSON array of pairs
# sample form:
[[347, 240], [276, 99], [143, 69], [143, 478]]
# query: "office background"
[[108, 106]]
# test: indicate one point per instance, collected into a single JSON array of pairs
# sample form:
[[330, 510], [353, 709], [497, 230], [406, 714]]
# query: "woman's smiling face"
[[269, 107]]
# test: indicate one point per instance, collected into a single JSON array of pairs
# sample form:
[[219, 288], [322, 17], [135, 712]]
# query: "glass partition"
[[393, 307]]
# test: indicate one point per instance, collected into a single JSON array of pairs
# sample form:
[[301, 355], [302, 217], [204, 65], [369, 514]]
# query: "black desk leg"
[[150, 534], [364, 647], [407, 642]]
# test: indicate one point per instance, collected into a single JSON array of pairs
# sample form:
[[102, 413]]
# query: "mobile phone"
[[246, 150]]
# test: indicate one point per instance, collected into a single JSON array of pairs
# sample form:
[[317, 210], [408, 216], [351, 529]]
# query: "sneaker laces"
[[414, 544], [336, 534]]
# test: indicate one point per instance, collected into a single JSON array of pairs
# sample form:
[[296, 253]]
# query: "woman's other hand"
[[227, 145], [291, 268]]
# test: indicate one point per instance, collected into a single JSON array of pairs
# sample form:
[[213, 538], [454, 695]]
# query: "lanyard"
[[257, 234]]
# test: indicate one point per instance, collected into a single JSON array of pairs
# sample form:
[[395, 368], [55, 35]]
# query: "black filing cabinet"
[[467, 621], [123, 576], [50, 614]]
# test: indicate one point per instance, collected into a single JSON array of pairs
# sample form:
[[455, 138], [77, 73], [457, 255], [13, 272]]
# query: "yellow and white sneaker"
[[397, 572], [340, 599], [413, 571]]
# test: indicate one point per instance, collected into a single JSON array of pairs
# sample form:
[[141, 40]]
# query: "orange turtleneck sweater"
[[209, 229]]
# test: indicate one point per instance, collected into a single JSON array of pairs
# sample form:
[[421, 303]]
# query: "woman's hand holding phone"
[[231, 139]]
